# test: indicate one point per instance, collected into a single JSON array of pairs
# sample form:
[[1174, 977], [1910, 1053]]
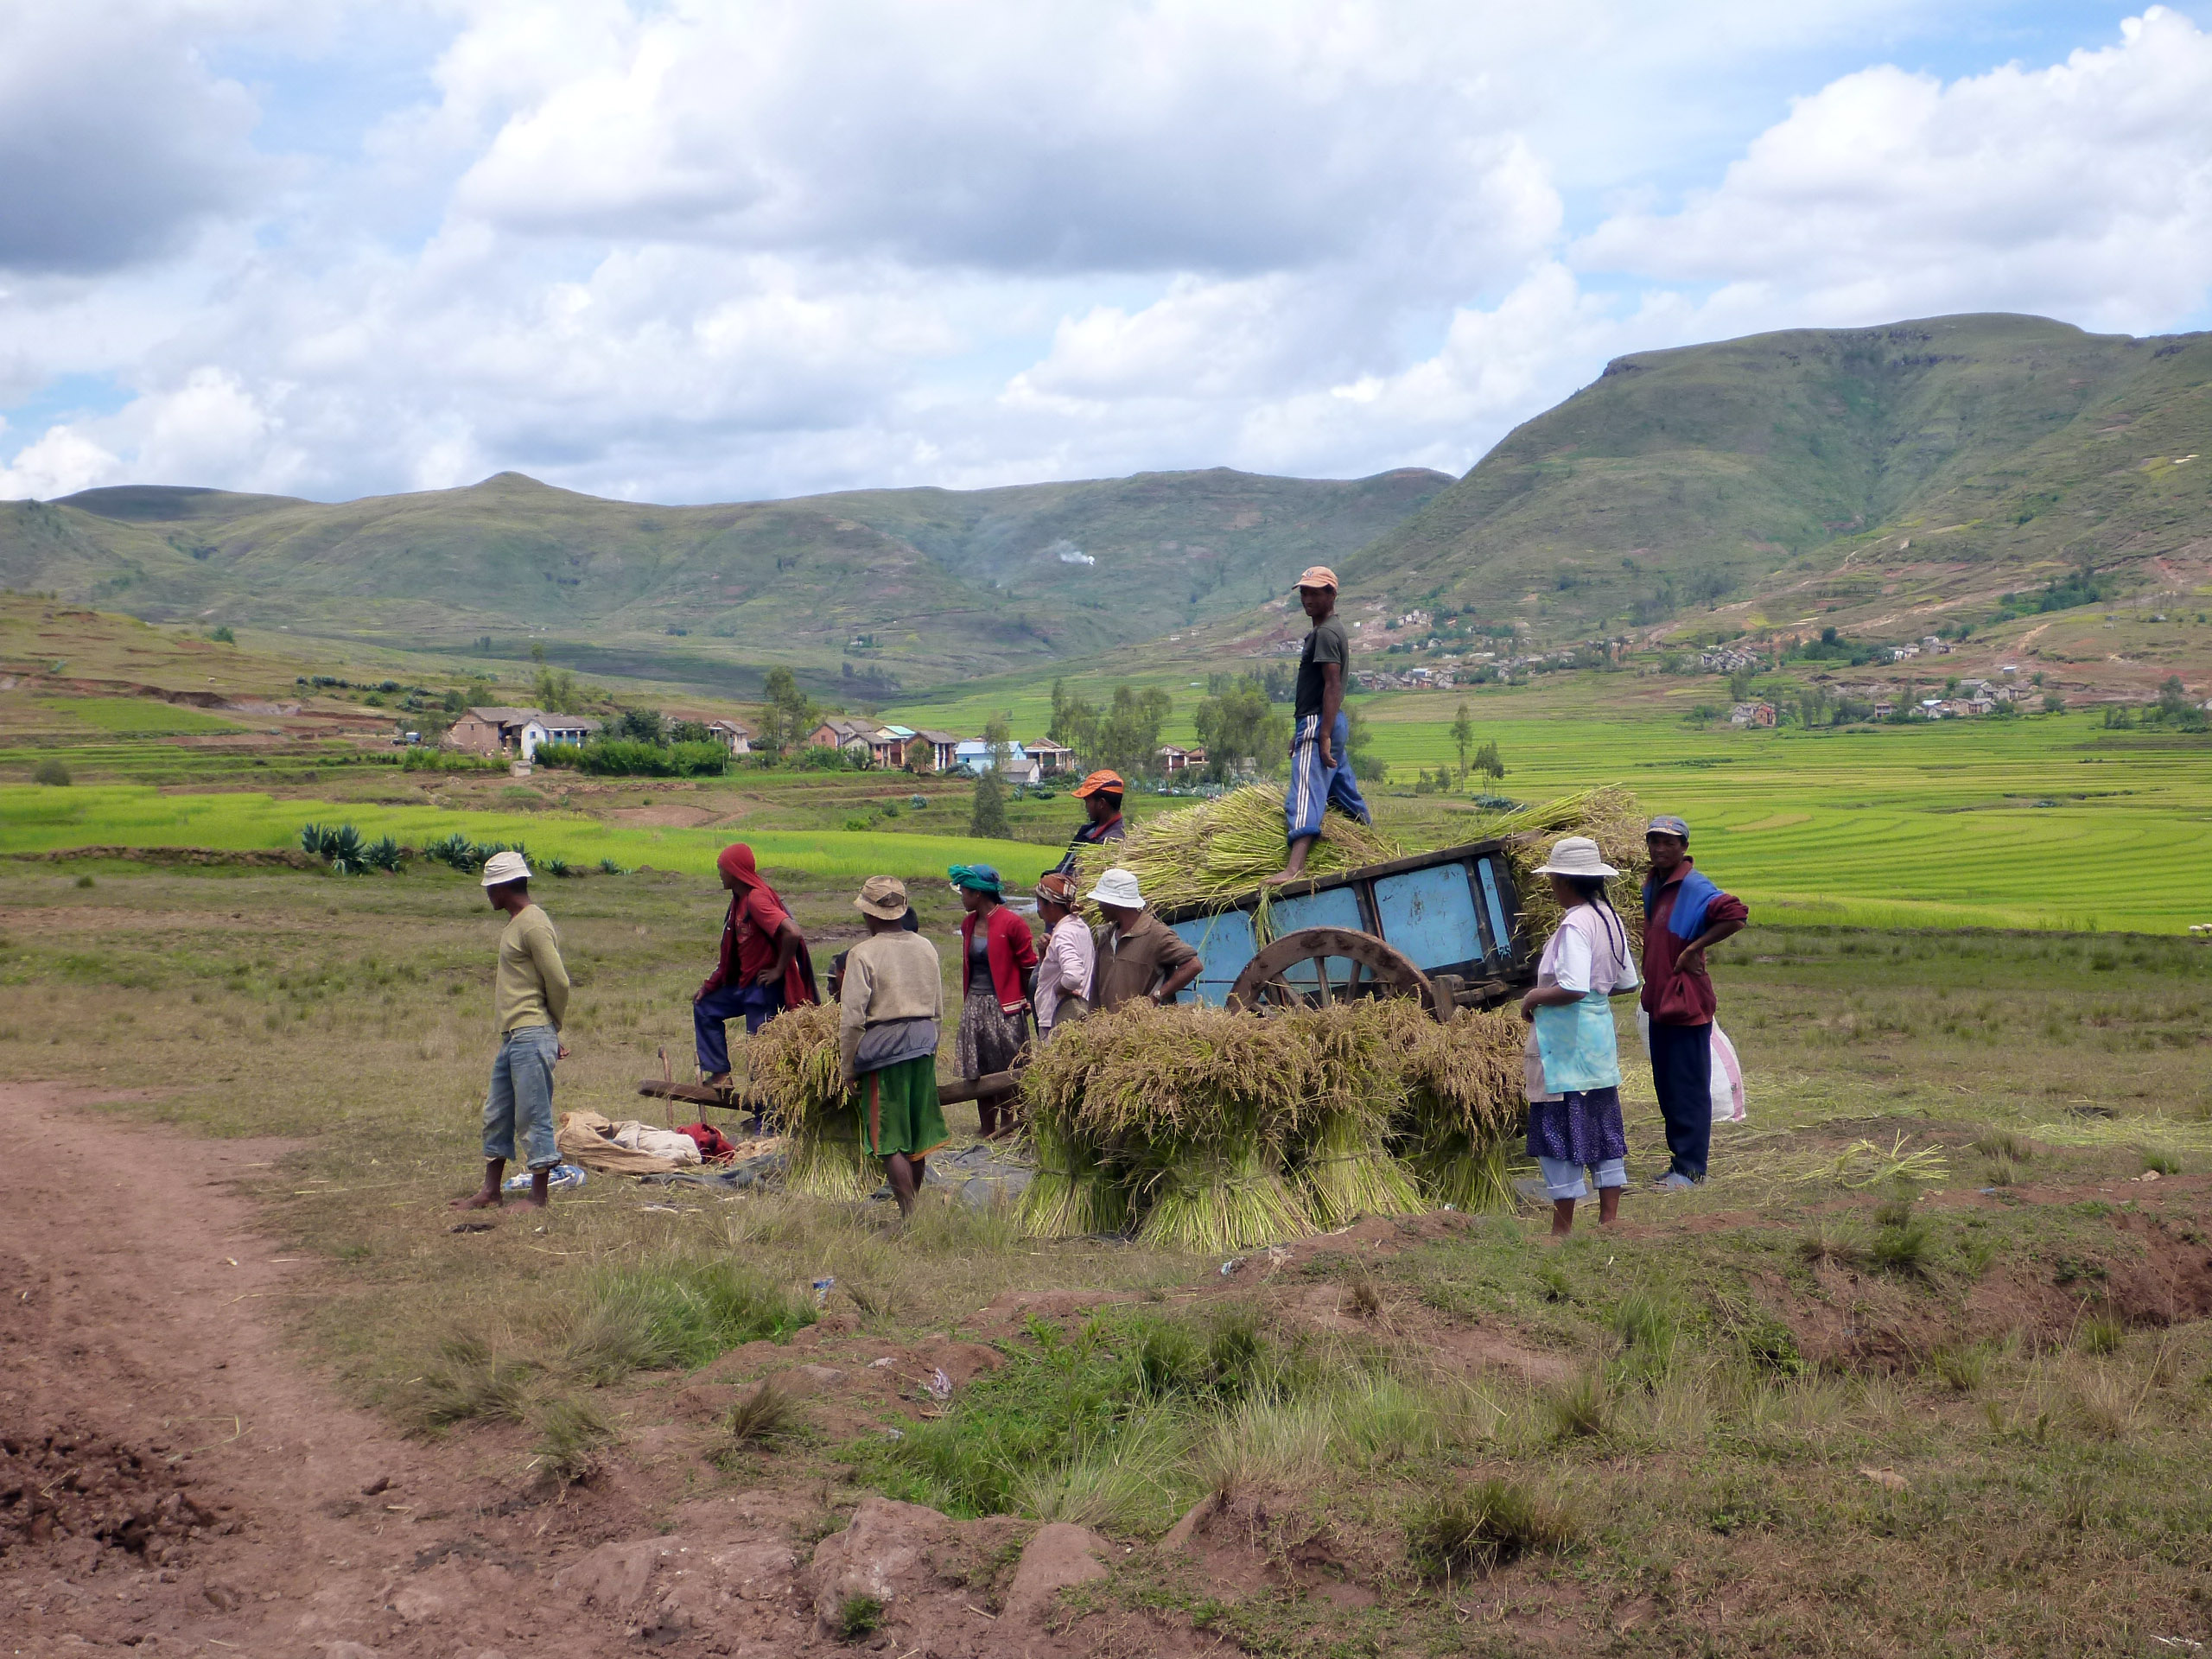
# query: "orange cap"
[[1098, 780], [1319, 575]]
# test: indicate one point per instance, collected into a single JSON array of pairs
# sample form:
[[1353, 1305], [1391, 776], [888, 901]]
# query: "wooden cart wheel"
[[1295, 971]]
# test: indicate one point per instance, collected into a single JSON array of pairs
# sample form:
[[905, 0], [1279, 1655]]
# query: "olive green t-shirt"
[[532, 988]]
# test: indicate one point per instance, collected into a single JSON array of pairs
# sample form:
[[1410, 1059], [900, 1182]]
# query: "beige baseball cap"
[[1319, 575]]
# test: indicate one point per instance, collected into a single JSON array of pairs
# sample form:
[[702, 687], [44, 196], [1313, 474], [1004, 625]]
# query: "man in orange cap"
[[1101, 795], [1320, 741]]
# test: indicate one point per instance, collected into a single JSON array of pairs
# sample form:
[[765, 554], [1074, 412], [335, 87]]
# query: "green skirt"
[[900, 1110]]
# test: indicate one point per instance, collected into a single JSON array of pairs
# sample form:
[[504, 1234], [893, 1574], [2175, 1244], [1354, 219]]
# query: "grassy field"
[[1920, 1370]]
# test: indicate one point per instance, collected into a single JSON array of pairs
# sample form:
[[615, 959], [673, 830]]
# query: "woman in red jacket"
[[994, 1005]]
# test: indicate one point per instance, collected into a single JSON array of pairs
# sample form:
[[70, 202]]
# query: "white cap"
[[1118, 887], [503, 868]]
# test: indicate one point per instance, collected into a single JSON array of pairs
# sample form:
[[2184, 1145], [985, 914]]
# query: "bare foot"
[[479, 1201]]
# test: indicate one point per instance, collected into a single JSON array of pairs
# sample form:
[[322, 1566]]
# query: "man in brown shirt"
[[1140, 954]]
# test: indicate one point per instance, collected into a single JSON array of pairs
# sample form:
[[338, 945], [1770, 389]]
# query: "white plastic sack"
[[1727, 1071]]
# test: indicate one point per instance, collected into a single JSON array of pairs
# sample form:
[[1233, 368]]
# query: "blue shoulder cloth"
[[1687, 920]]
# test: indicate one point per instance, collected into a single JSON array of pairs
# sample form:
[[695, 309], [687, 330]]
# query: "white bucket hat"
[[503, 868], [1575, 855], [1118, 887]]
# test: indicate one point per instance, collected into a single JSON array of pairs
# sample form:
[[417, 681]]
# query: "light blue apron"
[[1576, 1043]]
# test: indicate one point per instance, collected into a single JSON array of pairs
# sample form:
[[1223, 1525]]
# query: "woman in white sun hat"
[[1573, 1064]]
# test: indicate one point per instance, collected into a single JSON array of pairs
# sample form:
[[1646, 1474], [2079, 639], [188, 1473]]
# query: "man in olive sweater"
[[529, 1001]]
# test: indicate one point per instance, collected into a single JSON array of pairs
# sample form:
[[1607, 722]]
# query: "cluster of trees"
[[1124, 736], [2174, 711]]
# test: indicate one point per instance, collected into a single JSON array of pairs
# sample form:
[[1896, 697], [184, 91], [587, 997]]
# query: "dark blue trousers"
[[1681, 1071], [758, 1003]]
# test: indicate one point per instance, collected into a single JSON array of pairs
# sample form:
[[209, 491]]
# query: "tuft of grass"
[[2101, 1335], [470, 1382], [673, 1314], [1961, 1370], [859, 1617], [768, 1413], [571, 1435], [2003, 1144], [1581, 1409], [1476, 1530], [1830, 1238], [51, 772], [87, 881], [2160, 1158], [2002, 1172]]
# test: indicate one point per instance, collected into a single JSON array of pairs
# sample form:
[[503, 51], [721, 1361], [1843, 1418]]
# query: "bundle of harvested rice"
[[1223, 850], [1464, 1094], [1609, 816], [1193, 1109], [1342, 1166], [797, 1072], [1075, 1190]]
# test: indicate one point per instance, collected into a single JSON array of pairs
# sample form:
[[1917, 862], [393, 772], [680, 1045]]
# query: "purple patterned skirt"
[[1583, 1127]]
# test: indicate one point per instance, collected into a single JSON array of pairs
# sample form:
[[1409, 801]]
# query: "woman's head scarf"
[[736, 863], [978, 878]]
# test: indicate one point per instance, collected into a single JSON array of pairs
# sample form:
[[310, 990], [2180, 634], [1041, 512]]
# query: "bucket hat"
[[1575, 855], [1118, 887], [503, 868], [883, 897]]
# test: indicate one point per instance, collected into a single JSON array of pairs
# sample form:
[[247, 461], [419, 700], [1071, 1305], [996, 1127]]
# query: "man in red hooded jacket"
[[764, 967]]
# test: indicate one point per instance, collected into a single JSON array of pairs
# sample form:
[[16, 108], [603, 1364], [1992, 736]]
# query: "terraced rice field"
[[2043, 823], [34, 819]]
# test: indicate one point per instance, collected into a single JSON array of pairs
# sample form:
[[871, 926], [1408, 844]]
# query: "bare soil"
[[172, 1480]]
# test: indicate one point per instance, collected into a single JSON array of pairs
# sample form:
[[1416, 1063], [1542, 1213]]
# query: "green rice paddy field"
[[33, 819], [2039, 822]]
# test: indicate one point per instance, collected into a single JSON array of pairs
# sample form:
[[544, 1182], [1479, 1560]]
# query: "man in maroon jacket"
[[1683, 913]]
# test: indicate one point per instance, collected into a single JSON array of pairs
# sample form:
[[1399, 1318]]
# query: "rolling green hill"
[[1867, 475], [908, 586]]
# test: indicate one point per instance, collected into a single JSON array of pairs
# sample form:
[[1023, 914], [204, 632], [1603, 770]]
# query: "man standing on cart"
[[1321, 742]]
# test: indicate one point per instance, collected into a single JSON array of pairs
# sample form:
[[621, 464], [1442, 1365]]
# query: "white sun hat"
[[1118, 887], [1575, 855], [503, 868]]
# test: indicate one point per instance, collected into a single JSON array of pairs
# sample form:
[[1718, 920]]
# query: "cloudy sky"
[[702, 250]]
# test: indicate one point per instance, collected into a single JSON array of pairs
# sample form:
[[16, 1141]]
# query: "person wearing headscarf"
[[763, 969], [996, 953], [1064, 970], [893, 997]]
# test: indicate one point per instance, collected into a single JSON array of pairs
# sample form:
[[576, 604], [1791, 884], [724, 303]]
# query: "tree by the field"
[[555, 691], [1239, 727], [640, 725], [1129, 737], [987, 818], [788, 714], [1463, 738], [1075, 723], [1366, 765]]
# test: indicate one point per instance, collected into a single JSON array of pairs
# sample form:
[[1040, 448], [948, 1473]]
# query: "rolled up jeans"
[[1563, 1177], [519, 1108]]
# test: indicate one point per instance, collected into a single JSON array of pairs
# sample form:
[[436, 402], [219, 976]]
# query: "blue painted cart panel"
[[1430, 915], [1332, 907], [1224, 945]]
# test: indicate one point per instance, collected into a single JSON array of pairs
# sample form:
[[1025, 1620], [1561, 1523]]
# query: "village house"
[[1752, 714], [733, 734], [1884, 710], [975, 754], [928, 752], [515, 732], [543, 729], [887, 745], [1171, 759], [1053, 760], [836, 732]]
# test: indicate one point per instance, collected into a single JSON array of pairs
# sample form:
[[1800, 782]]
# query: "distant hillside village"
[[518, 735]]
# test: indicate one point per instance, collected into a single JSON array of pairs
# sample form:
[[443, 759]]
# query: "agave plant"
[[342, 847], [558, 868], [383, 854]]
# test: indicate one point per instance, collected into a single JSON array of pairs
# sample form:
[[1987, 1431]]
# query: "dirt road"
[[174, 1480]]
